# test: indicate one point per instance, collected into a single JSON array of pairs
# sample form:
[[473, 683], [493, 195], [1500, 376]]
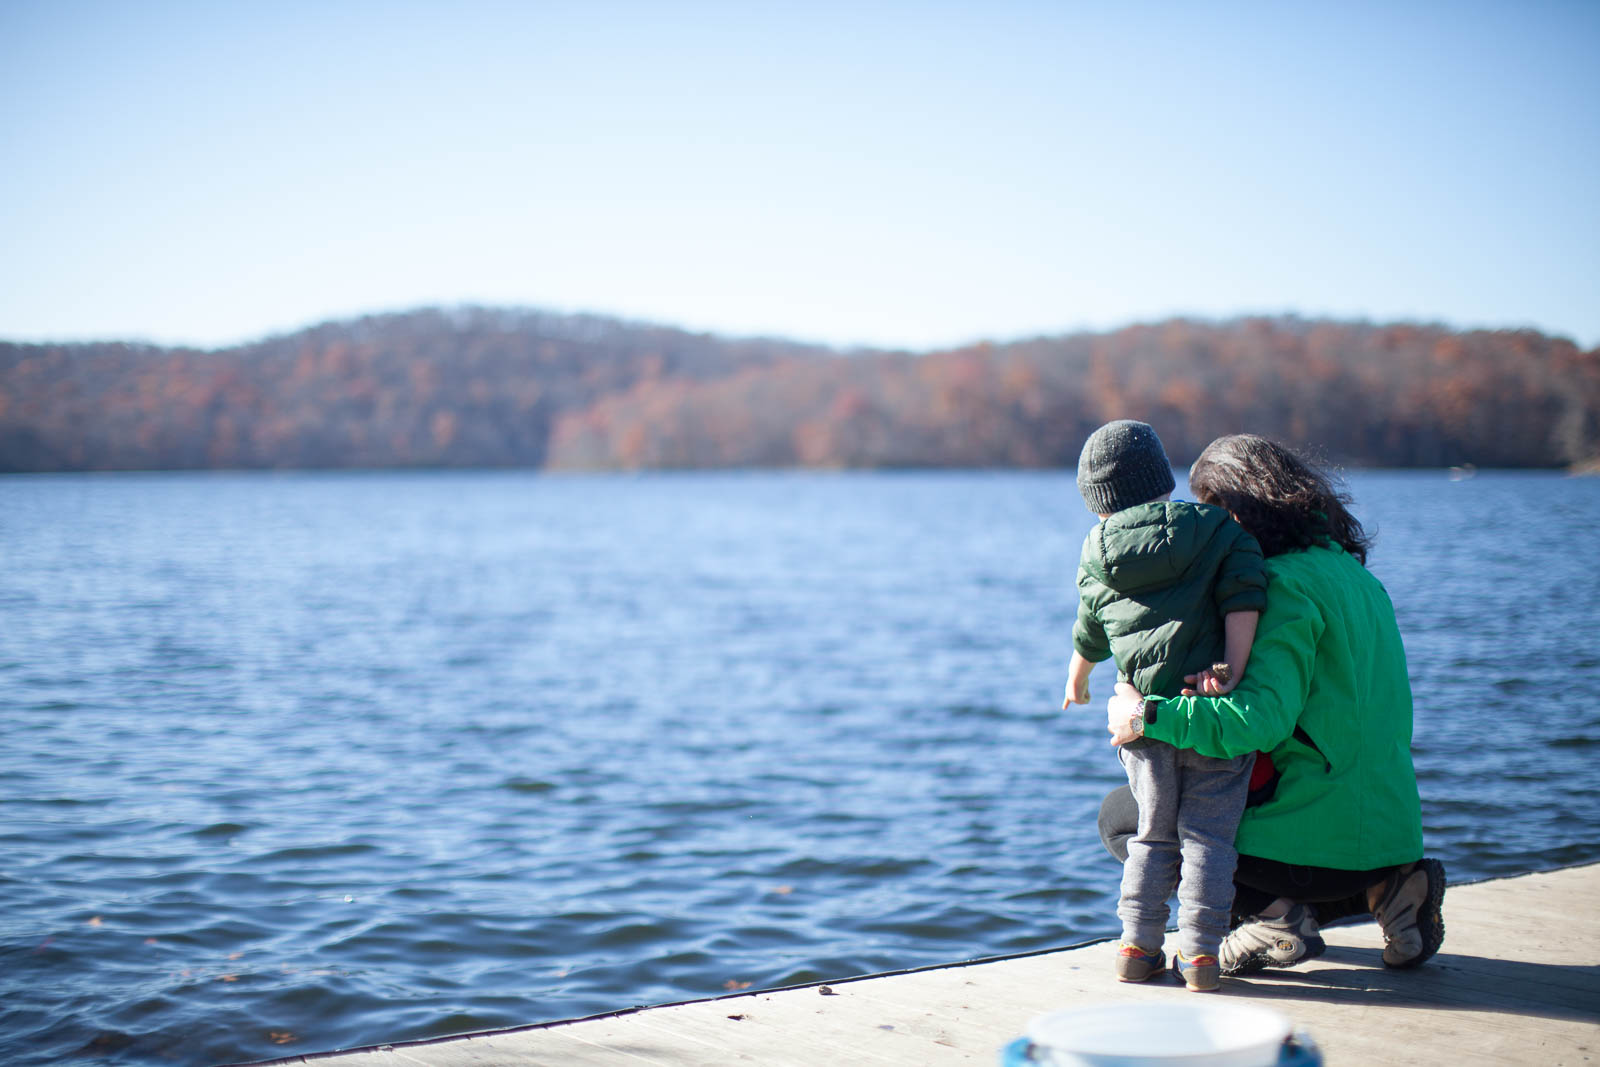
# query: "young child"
[[1170, 590]]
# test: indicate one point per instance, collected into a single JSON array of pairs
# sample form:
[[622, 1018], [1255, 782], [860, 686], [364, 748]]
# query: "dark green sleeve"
[[1088, 634], [1242, 577]]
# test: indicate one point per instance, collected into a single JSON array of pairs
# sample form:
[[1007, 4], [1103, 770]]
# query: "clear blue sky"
[[912, 174]]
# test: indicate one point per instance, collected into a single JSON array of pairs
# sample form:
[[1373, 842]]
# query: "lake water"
[[298, 762]]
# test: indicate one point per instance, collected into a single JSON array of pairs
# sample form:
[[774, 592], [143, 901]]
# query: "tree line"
[[481, 387]]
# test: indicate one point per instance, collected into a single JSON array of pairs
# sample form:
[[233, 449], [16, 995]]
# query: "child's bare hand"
[[1078, 694], [1214, 681]]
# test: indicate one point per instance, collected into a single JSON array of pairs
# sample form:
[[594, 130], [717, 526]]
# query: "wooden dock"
[[1517, 982]]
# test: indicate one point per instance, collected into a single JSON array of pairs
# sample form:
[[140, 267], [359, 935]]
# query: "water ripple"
[[295, 763]]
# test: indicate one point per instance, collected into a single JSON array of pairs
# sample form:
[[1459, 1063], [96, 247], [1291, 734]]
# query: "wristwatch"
[[1144, 713]]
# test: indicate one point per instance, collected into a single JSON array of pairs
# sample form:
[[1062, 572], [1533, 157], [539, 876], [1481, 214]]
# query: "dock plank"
[[787, 1030], [1515, 983], [617, 1042]]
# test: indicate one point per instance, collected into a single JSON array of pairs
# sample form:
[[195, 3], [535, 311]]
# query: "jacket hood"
[[1151, 545]]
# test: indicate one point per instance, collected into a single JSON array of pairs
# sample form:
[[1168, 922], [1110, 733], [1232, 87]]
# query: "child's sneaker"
[[1202, 974], [1134, 964]]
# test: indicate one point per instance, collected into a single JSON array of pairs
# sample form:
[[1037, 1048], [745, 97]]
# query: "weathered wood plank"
[[787, 1029], [1517, 982], [618, 1042]]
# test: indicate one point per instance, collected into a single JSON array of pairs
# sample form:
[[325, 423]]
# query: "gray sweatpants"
[[1189, 808]]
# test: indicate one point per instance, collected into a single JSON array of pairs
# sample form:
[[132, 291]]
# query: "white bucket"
[[1209, 1034]]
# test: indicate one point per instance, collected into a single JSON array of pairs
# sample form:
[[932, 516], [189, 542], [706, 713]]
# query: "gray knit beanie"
[[1123, 464]]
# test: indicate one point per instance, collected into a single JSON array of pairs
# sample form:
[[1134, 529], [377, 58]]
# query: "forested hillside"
[[483, 387], [473, 387]]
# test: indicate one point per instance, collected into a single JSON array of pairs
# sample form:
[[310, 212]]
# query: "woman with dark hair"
[[1335, 826]]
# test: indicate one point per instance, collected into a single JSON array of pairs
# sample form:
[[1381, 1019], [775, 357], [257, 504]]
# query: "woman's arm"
[[1257, 716]]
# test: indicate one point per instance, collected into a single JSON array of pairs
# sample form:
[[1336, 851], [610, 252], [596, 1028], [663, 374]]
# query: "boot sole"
[[1430, 918]]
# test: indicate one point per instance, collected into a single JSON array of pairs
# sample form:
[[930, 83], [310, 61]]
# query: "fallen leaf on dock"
[[825, 991], [737, 1018]]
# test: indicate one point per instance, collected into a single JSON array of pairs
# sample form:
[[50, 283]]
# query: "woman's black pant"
[[1257, 882]]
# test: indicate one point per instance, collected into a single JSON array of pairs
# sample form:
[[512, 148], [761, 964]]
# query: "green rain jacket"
[[1326, 692], [1153, 584]]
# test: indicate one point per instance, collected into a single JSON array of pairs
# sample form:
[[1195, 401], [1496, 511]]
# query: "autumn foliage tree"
[[486, 387]]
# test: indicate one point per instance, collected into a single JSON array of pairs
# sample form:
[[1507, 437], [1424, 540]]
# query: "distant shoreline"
[[508, 388]]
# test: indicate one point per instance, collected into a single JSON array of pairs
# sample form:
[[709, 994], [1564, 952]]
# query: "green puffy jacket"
[[1153, 584], [1327, 693]]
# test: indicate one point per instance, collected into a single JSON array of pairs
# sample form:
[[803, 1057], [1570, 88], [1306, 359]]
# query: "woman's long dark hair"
[[1284, 501]]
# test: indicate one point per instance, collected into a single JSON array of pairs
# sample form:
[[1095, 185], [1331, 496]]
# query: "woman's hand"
[[1119, 713]]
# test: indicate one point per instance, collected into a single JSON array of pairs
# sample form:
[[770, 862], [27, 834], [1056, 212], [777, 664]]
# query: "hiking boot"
[[1260, 942], [1200, 974], [1134, 964], [1410, 913]]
